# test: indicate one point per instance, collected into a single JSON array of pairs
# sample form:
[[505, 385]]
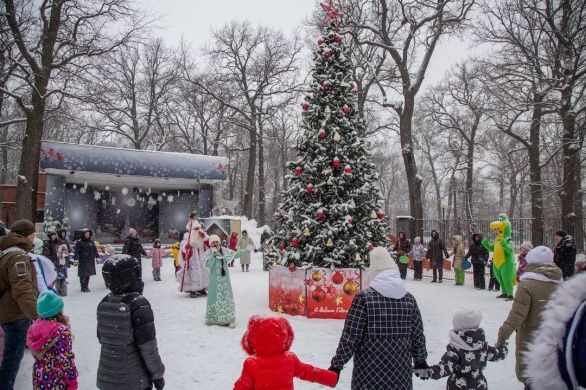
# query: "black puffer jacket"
[[86, 253], [129, 359], [50, 249], [465, 360], [436, 250], [565, 256], [477, 253], [133, 247]]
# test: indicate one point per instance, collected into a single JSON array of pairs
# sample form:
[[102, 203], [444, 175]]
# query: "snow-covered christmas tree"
[[331, 215]]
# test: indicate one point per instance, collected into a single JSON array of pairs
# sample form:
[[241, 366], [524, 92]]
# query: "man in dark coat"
[[133, 247], [85, 254], [18, 296], [50, 248], [437, 252], [478, 255], [564, 253], [383, 331], [129, 359]]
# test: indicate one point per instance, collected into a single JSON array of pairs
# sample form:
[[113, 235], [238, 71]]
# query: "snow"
[[197, 356]]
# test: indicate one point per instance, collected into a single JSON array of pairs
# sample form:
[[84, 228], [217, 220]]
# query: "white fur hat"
[[380, 260], [215, 238], [467, 319], [539, 255]]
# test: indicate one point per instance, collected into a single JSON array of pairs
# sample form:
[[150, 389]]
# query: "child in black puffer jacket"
[[467, 355]]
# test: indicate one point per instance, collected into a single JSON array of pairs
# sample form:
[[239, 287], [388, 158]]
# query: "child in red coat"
[[270, 364]]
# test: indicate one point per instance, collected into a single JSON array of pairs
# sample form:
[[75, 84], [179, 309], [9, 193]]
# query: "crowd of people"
[[383, 332]]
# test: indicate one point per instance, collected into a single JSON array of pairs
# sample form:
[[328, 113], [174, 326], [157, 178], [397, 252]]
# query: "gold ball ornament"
[[330, 243]]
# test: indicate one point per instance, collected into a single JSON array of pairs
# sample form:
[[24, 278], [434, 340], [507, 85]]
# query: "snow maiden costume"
[[556, 358], [220, 306], [503, 258], [193, 277]]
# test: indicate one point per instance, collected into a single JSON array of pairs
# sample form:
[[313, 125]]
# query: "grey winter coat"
[[129, 359], [465, 359]]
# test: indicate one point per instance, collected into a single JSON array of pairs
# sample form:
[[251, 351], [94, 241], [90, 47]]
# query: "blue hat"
[[49, 305]]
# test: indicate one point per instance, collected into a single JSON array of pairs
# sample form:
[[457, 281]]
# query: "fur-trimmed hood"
[[541, 358], [468, 339]]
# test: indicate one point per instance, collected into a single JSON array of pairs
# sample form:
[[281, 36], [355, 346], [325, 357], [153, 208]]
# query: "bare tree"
[[55, 39], [409, 32], [130, 92], [255, 65], [458, 105]]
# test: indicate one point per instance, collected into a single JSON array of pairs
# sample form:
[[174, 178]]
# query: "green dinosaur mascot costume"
[[503, 259]]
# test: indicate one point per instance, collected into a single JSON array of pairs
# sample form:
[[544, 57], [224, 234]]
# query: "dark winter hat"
[[122, 274], [49, 304], [23, 227], [561, 233]]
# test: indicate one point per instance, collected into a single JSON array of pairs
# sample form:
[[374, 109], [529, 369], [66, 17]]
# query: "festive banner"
[[330, 291], [287, 290]]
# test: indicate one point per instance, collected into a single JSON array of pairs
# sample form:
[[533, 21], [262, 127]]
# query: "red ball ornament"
[[321, 134], [320, 214], [318, 294], [349, 221], [305, 106], [326, 85], [345, 109], [336, 162], [292, 267], [380, 214], [298, 171], [294, 242], [309, 188], [337, 278], [327, 53], [347, 170], [369, 246], [282, 246], [320, 42], [352, 86], [337, 38]]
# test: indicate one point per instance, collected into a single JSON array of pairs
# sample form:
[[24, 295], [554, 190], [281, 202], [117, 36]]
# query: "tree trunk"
[[469, 216], [537, 219], [413, 177], [27, 183], [571, 164], [4, 155], [261, 179], [251, 172], [514, 190]]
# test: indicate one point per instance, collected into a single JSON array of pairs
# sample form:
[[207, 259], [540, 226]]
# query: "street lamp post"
[[444, 207]]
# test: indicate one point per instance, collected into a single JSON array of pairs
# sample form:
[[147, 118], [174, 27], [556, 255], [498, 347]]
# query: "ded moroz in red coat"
[[270, 364]]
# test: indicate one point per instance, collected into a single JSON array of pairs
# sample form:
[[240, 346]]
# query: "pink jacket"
[[51, 344], [157, 257]]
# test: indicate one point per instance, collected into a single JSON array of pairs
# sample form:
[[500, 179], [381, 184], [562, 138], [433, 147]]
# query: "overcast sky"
[[193, 20]]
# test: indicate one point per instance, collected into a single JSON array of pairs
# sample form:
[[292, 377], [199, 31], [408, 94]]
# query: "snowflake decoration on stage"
[[131, 202], [83, 190], [107, 188], [124, 191], [160, 198], [97, 195], [170, 198], [118, 211], [74, 187]]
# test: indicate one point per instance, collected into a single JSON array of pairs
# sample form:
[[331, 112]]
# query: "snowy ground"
[[201, 357]]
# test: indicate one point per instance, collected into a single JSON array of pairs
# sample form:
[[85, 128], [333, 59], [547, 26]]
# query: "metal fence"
[[521, 229]]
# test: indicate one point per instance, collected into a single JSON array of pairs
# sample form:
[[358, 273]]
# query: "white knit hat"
[[215, 238], [467, 319], [539, 255], [380, 260]]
